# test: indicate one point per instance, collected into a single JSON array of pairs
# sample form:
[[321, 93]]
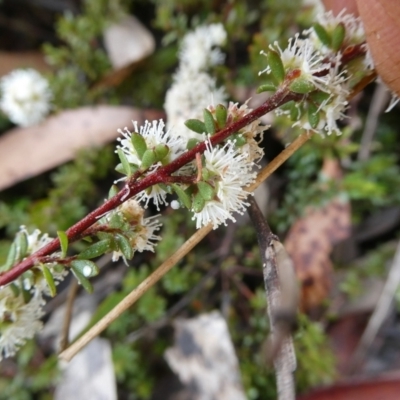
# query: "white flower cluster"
[[316, 58], [225, 169], [200, 48], [21, 302], [154, 134], [193, 88], [25, 97], [230, 173]]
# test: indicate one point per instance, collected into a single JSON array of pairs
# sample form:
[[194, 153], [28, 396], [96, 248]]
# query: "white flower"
[[36, 240], [19, 320], [193, 89], [198, 50], [190, 93], [231, 173], [250, 132], [332, 109], [154, 134], [300, 54], [25, 97], [142, 236], [354, 29], [35, 281]]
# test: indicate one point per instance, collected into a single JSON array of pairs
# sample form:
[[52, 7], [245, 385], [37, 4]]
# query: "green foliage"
[[315, 360], [81, 61], [32, 375], [131, 366], [373, 265], [372, 181]]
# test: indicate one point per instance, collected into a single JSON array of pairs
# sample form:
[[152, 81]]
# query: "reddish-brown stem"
[[133, 186], [163, 174]]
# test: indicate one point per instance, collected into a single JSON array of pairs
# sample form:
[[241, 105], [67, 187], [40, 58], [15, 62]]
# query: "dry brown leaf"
[[28, 59], [26, 152], [310, 242], [382, 27]]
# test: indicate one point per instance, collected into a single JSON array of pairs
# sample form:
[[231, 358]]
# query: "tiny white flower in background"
[[187, 98], [232, 173], [19, 320], [198, 50], [142, 237], [355, 33], [25, 96], [317, 5], [193, 89]]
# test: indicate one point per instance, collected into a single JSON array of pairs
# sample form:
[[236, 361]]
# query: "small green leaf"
[[182, 195], [161, 151], [301, 86], [319, 96], [313, 116], [205, 174], [119, 168], [113, 190], [11, 258], [287, 106], [139, 144], [277, 69], [15, 289], [49, 279], [191, 143], [206, 190], [196, 125], [82, 280], [22, 245], [209, 121], [148, 159], [62, 236], [239, 139], [96, 249], [267, 87], [322, 34], [85, 267], [125, 163], [198, 203], [124, 245], [338, 36], [295, 112], [116, 222], [221, 114]]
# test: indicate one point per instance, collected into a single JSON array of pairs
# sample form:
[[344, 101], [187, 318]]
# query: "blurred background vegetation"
[[224, 271]]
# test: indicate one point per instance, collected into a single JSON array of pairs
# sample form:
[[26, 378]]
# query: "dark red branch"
[[135, 186]]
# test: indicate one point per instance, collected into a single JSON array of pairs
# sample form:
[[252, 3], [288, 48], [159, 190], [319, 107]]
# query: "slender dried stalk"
[[73, 290], [132, 297]]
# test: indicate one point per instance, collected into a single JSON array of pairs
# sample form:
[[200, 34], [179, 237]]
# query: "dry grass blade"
[[140, 290]]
